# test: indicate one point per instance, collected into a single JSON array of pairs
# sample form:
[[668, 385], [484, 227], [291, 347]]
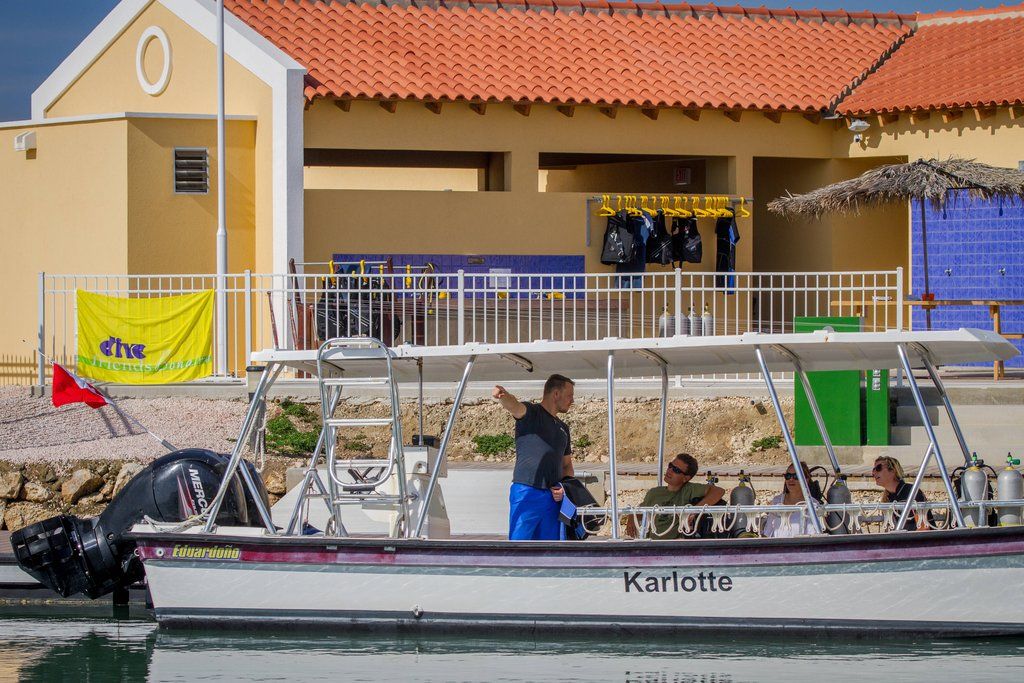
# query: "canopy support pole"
[[812, 400], [923, 412], [788, 436], [905, 513], [611, 446], [442, 451], [933, 373], [267, 379], [664, 418], [419, 376]]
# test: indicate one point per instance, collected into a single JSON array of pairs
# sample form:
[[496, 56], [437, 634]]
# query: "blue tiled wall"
[[969, 242]]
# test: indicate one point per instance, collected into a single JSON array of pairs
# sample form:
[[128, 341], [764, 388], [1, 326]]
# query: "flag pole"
[[222, 230], [119, 410]]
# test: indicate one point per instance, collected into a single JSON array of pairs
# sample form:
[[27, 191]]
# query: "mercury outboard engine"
[[93, 556]]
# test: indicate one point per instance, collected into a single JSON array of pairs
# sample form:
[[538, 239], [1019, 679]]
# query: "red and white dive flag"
[[70, 388]]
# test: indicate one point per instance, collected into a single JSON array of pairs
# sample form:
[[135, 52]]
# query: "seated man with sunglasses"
[[678, 490]]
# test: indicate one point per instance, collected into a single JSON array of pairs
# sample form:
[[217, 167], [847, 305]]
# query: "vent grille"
[[191, 171]]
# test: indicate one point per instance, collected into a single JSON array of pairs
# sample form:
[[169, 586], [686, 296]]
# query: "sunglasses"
[[789, 476], [673, 468], [878, 467]]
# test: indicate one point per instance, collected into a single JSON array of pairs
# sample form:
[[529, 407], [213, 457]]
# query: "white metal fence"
[[298, 311]]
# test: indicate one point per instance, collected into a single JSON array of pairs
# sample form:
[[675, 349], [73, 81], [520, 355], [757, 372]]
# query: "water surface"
[[53, 644]]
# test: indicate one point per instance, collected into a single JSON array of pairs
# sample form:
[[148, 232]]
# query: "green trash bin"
[[838, 393]]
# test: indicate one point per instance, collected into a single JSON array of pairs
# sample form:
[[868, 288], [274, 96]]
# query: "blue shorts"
[[532, 514]]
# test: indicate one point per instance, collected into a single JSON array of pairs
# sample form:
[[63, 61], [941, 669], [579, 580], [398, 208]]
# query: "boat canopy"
[[683, 355]]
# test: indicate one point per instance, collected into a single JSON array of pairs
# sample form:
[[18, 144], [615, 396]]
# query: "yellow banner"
[[145, 341]]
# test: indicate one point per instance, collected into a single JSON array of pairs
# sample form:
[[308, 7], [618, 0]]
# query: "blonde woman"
[[888, 474], [796, 523]]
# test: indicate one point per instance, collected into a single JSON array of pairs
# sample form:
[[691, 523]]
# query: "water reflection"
[[77, 646]]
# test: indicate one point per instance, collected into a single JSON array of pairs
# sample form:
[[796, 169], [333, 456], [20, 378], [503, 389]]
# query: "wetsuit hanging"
[[659, 244], [619, 243], [641, 227], [726, 237]]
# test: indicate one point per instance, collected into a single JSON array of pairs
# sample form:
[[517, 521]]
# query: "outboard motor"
[[742, 494], [1010, 486], [92, 556], [838, 494]]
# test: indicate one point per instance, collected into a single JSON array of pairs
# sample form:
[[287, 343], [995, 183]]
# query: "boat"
[[414, 573]]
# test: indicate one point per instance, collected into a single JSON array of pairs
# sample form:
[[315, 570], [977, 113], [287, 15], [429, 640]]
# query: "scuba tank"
[[707, 322], [742, 494], [973, 486], [1010, 486], [696, 324], [666, 324], [684, 323], [838, 494]]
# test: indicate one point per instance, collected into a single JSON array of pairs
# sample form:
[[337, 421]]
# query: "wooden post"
[[998, 369]]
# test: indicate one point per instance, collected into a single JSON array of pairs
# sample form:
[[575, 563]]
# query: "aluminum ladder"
[[357, 481]]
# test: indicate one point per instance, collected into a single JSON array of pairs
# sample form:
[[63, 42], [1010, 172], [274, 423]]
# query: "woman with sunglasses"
[[788, 524], [888, 473]]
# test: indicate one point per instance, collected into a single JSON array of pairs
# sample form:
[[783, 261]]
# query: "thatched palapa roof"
[[925, 179]]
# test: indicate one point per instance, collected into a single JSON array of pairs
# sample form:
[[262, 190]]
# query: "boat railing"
[[300, 311], [727, 518]]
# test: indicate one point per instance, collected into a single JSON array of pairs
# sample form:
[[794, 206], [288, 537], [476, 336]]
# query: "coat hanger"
[[606, 206], [618, 203], [697, 211], [743, 208], [645, 208], [665, 208], [631, 205], [680, 208]]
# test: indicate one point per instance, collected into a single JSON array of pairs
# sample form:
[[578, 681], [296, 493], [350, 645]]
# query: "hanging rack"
[[615, 200]]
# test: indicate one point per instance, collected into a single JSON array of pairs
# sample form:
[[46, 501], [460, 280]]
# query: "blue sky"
[[36, 35]]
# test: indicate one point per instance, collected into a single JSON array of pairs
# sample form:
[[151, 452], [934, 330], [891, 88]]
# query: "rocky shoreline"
[[36, 491]]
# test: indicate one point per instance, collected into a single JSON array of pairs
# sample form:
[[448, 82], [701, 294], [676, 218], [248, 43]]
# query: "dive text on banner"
[[145, 341]]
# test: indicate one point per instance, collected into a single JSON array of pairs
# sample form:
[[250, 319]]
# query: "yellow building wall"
[[64, 211], [110, 85], [525, 220], [997, 140], [176, 233]]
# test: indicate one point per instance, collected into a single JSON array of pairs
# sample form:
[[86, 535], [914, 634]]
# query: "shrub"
[[282, 435], [766, 444], [494, 444], [297, 410], [582, 442]]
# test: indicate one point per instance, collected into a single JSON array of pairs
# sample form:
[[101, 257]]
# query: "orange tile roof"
[[577, 52], [953, 60]]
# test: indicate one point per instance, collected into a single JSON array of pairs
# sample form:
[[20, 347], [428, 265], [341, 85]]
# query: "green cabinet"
[[854, 405]]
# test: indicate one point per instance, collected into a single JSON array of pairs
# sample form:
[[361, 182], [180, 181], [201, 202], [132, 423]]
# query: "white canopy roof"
[[640, 357]]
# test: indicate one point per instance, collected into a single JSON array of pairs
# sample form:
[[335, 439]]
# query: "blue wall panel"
[[975, 251], [549, 265]]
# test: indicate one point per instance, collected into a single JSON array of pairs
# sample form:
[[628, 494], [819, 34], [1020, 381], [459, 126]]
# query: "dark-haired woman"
[[798, 522]]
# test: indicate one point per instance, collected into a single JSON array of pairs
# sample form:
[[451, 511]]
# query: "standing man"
[[543, 457]]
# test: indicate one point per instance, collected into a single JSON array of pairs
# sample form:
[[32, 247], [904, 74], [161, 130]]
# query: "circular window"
[[149, 35]]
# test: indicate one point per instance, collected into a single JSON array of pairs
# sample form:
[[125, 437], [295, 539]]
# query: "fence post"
[[41, 348], [247, 329], [679, 301], [899, 298], [461, 310]]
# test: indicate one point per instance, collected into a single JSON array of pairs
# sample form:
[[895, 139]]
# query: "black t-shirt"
[[901, 495], [542, 440]]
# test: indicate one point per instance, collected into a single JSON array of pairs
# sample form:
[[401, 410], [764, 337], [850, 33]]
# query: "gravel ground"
[[32, 430]]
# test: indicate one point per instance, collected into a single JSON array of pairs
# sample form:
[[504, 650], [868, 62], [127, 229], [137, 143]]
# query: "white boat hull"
[[952, 582]]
